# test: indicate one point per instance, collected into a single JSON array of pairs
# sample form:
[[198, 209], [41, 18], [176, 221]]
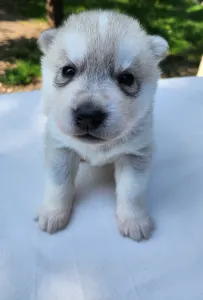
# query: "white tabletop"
[[89, 260]]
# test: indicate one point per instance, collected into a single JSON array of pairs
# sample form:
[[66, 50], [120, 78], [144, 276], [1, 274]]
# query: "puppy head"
[[100, 71]]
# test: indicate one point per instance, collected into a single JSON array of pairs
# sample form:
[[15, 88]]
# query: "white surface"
[[89, 260]]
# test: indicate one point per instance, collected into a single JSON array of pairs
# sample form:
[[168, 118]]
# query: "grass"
[[24, 55], [24, 73], [180, 22]]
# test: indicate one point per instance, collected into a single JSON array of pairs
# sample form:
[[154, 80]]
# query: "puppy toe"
[[137, 228], [52, 220]]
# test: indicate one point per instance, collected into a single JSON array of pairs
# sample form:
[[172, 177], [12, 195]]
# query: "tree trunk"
[[55, 13]]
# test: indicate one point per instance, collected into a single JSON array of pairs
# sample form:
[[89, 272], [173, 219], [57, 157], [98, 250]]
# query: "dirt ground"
[[13, 30]]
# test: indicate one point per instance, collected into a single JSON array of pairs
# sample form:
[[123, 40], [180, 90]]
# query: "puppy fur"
[[101, 45]]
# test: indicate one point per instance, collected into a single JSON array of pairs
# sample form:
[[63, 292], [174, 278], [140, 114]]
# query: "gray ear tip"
[[45, 39], [159, 47]]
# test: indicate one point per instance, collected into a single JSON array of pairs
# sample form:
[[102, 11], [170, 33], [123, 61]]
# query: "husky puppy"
[[100, 72]]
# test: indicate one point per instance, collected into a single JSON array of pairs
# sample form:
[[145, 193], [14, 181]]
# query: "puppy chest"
[[97, 158]]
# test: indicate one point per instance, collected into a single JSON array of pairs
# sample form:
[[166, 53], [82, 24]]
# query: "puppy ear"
[[46, 38], [159, 47]]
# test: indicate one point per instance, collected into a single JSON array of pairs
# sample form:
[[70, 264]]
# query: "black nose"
[[88, 116]]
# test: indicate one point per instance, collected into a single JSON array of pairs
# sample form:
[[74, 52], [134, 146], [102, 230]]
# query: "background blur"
[[21, 21]]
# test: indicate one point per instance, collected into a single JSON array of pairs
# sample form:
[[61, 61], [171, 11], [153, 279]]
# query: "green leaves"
[[23, 73]]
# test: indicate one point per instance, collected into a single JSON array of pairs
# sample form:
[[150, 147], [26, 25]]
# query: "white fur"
[[128, 130], [75, 46], [47, 90], [46, 39], [131, 222], [129, 47], [58, 197], [103, 22], [159, 47]]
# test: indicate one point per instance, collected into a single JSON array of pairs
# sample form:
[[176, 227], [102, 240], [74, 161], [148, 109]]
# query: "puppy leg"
[[61, 169], [131, 184]]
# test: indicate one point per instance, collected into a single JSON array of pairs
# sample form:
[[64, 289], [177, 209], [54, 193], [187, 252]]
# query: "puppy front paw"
[[52, 219], [135, 226]]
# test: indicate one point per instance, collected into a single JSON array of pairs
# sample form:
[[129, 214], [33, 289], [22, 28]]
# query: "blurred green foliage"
[[23, 73], [179, 21], [25, 55]]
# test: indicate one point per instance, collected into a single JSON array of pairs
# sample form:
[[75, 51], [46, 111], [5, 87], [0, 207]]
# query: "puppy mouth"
[[89, 138]]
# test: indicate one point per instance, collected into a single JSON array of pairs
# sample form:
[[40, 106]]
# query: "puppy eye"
[[68, 71], [126, 79]]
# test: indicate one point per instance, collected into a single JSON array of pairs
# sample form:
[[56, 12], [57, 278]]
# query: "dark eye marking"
[[65, 75], [126, 79], [128, 83], [68, 71]]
